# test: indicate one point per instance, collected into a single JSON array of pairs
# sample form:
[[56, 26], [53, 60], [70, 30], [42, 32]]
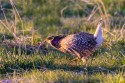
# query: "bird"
[[81, 44]]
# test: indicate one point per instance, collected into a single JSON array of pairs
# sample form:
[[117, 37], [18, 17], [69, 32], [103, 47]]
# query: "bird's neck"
[[98, 31], [56, 40]]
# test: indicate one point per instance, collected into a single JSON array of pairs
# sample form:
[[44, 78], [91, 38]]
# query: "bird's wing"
[[84, 44], [78, 44], [84, 40]]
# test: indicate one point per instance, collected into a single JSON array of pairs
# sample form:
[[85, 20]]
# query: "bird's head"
[[54, 40], [49, 39]]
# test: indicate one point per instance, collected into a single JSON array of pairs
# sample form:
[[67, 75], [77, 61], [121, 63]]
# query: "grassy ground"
[[41, 18], [57, 67]]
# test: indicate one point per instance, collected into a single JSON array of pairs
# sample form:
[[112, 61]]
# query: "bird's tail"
[[98, 34], [99, 28]]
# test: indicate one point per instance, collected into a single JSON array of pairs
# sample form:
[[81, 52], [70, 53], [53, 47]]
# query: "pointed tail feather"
[[99, 28]]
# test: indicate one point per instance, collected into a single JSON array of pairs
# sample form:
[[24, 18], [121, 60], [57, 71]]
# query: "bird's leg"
[[84, 59], [92, 59], [73, 52], [75, 59]]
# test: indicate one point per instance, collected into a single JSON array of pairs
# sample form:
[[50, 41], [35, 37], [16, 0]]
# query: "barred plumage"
[[82, 44]]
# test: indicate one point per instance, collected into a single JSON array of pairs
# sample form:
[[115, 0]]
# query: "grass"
[[57, 67], [35, 24], [74, 77]]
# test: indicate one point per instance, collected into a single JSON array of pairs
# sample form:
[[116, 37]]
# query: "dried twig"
[[92, 13], [62, 10], [16, 13], [122, 30]]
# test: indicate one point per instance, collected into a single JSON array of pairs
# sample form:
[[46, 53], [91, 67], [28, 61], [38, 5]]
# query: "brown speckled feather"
[[81, 44]]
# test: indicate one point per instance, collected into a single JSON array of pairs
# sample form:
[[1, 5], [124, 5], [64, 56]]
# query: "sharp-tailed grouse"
[[81, 44]]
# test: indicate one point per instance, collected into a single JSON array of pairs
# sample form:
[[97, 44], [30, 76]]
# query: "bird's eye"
[[50, 38]]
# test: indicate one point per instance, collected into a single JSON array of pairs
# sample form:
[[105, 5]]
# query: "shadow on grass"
[[80, 69], [89, 69], [41, 63]]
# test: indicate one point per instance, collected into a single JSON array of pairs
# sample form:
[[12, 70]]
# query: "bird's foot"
[[92, 61], [84, 60], [75, 59]]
